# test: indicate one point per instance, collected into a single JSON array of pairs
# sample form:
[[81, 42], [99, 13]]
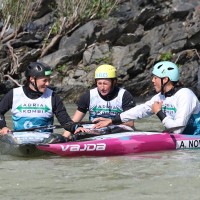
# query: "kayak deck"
[[23, 144], [123, 144], [131, 142]]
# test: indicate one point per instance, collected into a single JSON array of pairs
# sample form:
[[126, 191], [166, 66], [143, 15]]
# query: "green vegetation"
[[75, 12], [82, 10], [68, 13], [103, 60], [61, 68], [17, 12], [166, 56]]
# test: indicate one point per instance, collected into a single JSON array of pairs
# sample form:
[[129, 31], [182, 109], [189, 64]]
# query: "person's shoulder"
[[185, 92], [17, 89], [8, 95], [122, 90], [91, 90], [85, 94], [84, 97], [54, 94], [125, 91], [10, 92], [50, 92], [88, 91]]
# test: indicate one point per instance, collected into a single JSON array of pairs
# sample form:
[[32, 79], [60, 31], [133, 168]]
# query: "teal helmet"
[[166, 69]]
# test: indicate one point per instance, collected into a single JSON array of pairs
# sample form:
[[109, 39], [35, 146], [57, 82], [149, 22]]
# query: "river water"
[[155, 176]]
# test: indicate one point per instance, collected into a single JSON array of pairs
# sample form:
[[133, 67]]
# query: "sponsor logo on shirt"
[[33, 108]]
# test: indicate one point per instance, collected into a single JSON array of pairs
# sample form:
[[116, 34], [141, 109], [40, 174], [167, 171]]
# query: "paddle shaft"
[[85, 135], [170, 130], [38, 128], [50, 126]]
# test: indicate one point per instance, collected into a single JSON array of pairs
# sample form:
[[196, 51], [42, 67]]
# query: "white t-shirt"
[[181, 109]]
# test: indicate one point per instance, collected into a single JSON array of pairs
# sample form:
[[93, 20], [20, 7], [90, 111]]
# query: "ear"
[[114, 81], [31, 79], [165, 80]]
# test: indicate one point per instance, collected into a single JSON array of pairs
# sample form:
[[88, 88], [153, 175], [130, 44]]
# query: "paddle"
[[52, 126], [58, 138], [97, 132], [170, 130], [38, 128], [117, 129]]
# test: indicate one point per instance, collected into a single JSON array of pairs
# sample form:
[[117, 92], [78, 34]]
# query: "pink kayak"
[[123, 144]]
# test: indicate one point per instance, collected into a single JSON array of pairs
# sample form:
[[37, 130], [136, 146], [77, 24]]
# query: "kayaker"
[[34, 104], [174, 106], [106, 99]]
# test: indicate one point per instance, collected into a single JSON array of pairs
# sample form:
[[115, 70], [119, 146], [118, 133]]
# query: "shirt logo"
[[33, 108]]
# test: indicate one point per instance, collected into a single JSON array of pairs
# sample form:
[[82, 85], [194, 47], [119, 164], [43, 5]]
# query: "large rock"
[[135, 36]]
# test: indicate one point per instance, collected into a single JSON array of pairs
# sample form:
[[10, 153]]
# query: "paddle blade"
[[103, 131], [55, 138], [171, 130]]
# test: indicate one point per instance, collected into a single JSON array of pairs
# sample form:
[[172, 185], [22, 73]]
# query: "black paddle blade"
[[171, 130], [96, 132], [55, 138]]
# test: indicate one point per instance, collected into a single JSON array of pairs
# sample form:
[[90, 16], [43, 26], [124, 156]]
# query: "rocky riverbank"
[[135, 36]]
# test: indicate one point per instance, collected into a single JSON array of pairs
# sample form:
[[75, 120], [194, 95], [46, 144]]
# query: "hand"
[[81, 129], [156, 107], [5, 130], [102, 122], [96, 120], [67, 134]]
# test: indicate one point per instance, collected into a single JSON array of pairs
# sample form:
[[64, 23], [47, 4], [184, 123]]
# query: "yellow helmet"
[[105, 71]]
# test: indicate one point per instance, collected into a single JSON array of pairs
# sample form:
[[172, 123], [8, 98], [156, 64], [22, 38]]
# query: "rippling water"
[[163, 175]]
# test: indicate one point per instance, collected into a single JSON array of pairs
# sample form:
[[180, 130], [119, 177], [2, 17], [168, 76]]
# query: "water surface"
[[164, 175]]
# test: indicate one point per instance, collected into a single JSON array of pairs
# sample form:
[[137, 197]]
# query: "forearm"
[[161, 115], [138, 112], [117, 120], [178, 120]]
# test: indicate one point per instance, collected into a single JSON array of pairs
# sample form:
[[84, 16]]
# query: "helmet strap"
[[113, 84], [114, 81], [163, 85], [35, 86]]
